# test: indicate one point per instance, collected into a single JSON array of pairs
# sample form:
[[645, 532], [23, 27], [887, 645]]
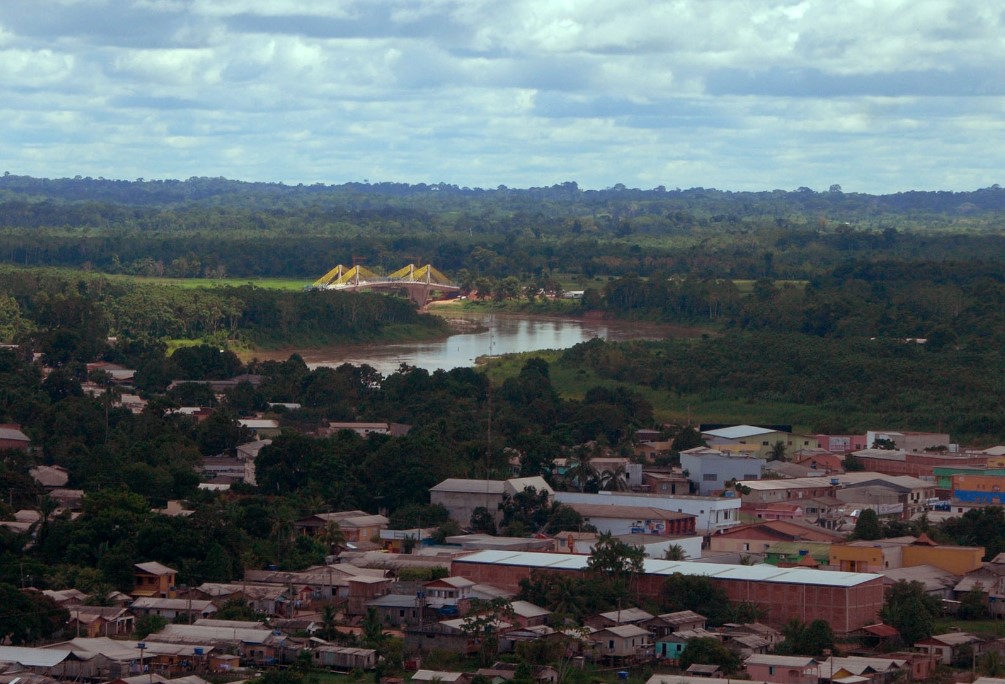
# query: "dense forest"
[[221, 228]]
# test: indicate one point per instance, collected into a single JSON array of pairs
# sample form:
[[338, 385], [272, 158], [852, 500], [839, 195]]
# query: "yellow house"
[[904, 552], [757, 439], [958, 560], [154, 579], [855, 558]]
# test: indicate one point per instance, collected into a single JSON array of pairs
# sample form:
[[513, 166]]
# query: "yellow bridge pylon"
[[418, 281], [340, 276]]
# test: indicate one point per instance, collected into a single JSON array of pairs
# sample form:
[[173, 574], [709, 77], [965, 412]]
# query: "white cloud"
[[34, 68], [873, 94], [177, 67]]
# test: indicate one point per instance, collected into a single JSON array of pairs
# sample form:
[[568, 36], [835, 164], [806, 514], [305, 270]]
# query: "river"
[[484, 334]]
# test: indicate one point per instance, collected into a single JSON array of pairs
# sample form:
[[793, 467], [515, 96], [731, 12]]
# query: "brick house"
[[848, 601]]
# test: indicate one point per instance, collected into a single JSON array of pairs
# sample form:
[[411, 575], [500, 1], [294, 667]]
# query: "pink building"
[[842, 444], [783, 669], [778, 511]]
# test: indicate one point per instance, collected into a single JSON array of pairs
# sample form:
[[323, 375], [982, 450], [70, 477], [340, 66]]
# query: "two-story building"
[[712, 514], [761, 439], [945, 647], [461, 497], [621, 643], [710, 469], [448, 595], [904, 552], [154, 579], [758, 537], [620, 520], [355, 525], [915, 464], [897, 495]]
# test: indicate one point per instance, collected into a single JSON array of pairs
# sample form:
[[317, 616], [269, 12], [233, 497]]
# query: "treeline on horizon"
[[205, 190], [220, 228]]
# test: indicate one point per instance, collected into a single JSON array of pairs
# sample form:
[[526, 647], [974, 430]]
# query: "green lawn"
[[572, 383], [747, 286], [269, 283], [988, 627], [266, 283]]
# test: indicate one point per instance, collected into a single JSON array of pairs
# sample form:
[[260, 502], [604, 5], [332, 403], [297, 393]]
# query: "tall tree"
[[911, 610], [868, 527], [698, 593]]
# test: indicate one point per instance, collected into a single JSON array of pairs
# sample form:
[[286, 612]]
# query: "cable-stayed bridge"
[[418, 281]]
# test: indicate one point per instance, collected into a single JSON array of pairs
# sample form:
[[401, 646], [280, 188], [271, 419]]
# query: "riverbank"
[[476, 334], [537, 307]]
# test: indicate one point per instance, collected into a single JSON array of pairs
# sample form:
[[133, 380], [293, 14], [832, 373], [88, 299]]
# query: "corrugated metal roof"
[[155, 568], [619, 512], [456, 484], [13, 434], [757, 573], [780, 660], [625, 631], [527, 609], [790, 547], [171, 633], [32, 657], [739, 431]]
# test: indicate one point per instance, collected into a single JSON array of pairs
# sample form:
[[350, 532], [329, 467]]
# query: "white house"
[[712, 514], [710, 469]]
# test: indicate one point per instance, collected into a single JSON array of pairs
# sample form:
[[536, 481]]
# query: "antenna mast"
[[488, 444]]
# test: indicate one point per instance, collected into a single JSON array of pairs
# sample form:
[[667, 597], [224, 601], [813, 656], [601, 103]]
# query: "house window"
[[610, 645], [709, 477], [771, 669], [764, 444]]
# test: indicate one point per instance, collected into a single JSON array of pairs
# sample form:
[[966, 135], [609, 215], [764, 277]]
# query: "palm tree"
[[46, 507], [580, 472], [329, 628], [332, 536], [563, 596], [777, 452], [615, 480], [674, 552]]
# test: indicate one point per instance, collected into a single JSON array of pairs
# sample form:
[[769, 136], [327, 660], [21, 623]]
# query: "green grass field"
[[747, 286], [191, 283], [573, 383], [989, 627], [188, 283]]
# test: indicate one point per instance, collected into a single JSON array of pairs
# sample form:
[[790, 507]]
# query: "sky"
[[874, 95]]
